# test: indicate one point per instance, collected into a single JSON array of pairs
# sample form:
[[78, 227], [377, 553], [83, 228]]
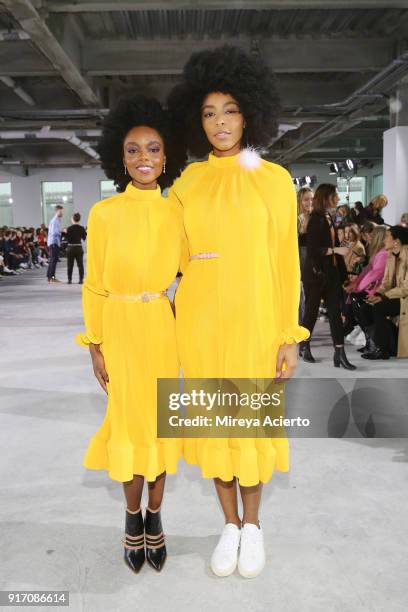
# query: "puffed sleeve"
[[93, 293], [177, 206], [289, 266]]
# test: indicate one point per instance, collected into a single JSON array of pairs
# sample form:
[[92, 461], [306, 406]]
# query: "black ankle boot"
[[370, 344], [134, 541], [370, 347], [340, 359], [376, 354], [306, 352], [155, 545]]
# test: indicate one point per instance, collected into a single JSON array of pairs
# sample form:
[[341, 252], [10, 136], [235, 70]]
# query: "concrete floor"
[[336, 525]]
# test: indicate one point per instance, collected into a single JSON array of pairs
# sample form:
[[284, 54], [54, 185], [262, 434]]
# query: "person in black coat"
[[324, 273], [373, 211], [75, 234]]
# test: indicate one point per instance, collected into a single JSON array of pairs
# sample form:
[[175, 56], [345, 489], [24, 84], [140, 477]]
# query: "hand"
[[287, 355], [349, 288], [98, 364], [373, 299], [341, 250]]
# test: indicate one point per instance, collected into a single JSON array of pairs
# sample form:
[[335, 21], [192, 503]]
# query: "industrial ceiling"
[[63, 63]]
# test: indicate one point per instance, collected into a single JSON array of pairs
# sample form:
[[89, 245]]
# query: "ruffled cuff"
[[294, 334], [84, 340]]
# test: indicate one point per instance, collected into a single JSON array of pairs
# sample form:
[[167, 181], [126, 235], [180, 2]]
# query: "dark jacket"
[[75, 233], [369, 213], [318, 267]]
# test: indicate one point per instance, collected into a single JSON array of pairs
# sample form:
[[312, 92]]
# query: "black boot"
[[340, 359], [155, 545], [376, 354], [370, 344], [134, 540], [370, 347], [305, 352]]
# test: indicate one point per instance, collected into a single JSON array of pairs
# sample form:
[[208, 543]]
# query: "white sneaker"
[[252, 554], [225, 556]]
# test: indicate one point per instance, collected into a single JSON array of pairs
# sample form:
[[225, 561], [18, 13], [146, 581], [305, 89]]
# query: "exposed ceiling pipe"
[[372, 89], [46, 134], [351, 109], [19, 91]]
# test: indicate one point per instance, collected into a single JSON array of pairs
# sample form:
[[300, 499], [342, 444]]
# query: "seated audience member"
[[341, 235], [356, 256], [366, 231], [391, 299], [357, 311], [11, 260], [42, 245], [355, 213], [342, 215], [404, 219], [21, 250]]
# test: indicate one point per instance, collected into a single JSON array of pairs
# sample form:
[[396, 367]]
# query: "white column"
[[395, 173]]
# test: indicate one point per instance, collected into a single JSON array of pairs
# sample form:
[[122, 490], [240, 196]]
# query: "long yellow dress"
[[233, 312], [133, 247]]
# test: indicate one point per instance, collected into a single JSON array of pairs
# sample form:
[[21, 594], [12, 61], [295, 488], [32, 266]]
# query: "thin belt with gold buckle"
[[146, 296], [205, 256]]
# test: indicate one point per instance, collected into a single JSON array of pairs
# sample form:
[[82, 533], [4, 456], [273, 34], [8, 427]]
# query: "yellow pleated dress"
[[234, 311], [133, 247]]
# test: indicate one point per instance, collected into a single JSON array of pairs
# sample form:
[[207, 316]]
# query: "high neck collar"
[[142, 194], [223, 162]]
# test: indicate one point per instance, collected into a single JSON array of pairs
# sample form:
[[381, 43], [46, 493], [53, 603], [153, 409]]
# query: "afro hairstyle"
[[229, 70], [132, 112]]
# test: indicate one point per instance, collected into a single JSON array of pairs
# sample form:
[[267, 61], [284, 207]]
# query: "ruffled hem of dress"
[[84, 340], [251, 464], [294, 335], [122, 462]]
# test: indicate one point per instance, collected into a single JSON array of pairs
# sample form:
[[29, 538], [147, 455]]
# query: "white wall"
[[26, 191], [395, 173]]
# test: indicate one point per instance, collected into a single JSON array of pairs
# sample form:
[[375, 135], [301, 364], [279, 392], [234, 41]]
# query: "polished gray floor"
[[336, 525]]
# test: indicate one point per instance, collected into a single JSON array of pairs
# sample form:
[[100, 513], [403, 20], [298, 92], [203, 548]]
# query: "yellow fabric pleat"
[[134, 245], [234, 311]]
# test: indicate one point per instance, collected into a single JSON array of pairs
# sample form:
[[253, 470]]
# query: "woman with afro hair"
[[134, 251], [237, 303]]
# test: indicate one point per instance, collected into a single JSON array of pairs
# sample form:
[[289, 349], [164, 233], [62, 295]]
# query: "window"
[[108, 189], [6, 205], [57, 192], [377, 185], [351, 190]]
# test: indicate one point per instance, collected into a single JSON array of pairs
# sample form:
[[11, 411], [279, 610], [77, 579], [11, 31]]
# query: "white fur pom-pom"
[[249, 158]]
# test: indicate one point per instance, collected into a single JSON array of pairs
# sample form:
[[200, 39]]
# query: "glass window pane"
[[108, 189], [57, 192], [351, 190], [377, 184], [6, 205]]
